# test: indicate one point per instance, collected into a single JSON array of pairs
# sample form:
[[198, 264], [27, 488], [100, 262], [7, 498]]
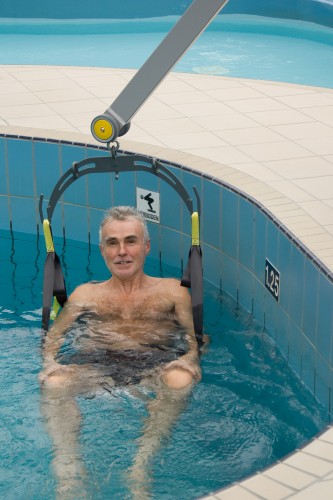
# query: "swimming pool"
[[311, 360], [233, 45], [248, 411]]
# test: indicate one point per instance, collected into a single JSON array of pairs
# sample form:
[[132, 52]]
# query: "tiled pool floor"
[[273, 141]]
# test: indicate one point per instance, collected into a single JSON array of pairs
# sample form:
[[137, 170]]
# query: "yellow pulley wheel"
[[102, 130]]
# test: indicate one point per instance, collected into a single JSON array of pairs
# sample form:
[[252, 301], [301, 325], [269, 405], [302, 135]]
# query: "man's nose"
[[122, 249]]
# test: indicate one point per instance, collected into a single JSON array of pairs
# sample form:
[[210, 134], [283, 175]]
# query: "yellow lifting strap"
[[195, 229], [50, 249]]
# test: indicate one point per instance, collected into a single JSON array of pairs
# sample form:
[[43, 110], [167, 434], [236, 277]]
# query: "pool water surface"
[[248, 411], [234, 45]]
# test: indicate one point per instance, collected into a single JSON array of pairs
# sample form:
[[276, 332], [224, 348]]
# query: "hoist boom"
[[115, 121]]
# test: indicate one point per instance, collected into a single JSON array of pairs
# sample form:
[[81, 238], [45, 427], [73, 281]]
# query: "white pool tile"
[[290, 476], [319, 491], [266, 487], [320, 449], [236, 493]]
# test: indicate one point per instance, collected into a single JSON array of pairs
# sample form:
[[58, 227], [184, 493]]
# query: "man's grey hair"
[[124, 213]]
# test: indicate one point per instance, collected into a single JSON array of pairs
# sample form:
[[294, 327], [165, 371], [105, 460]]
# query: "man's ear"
[[147, 247]]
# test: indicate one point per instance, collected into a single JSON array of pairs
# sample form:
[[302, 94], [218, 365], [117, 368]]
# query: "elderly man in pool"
[[132, 330]]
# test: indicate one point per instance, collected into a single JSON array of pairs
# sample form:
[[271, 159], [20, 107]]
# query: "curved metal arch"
[[116, 164]]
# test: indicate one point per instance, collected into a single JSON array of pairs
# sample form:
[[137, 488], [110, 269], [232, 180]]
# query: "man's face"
[[123, 247]]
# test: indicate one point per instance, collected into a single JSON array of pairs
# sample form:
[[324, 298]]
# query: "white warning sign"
[[148, 204]]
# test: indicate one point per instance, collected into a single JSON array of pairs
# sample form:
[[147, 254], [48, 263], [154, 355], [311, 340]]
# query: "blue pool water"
[[248, 411], [234, 45]]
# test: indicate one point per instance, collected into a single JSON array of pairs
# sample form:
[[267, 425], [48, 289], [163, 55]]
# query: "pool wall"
[[239, 239], [306, 10]]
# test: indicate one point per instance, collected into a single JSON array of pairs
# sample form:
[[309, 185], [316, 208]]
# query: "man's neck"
[[129, 286]]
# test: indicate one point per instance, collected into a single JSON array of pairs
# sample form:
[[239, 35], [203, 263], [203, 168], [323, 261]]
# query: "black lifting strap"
[[54, 283], [54, 286], [192, 278]]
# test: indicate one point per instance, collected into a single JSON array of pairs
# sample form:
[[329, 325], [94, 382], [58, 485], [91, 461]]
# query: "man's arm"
[[55, 336], [183, 311]]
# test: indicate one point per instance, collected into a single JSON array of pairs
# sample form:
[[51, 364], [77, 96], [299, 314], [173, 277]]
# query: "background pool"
[[248, 411], [233, 45]]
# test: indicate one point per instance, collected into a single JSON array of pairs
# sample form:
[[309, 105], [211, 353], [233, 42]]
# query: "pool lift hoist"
[[115, 122]]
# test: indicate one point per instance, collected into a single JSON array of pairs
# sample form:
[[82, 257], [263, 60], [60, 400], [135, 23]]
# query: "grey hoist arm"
[[115, 121]]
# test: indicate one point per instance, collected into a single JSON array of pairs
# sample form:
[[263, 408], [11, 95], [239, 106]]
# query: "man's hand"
[[188, 362], [53, 367]]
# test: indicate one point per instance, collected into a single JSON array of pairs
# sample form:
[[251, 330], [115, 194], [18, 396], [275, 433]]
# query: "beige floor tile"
[[280, 90], [11, 87], [58, 83], [44, 122], [80, 120], [192, 96], [318, 187], [257, 170], [18, 99], [319, 146], [227, 121], [234, 93], [253, 135], [323, 114], [64, 95], [38, 73], [156, 110], [202, 109], [185, 141], [106, 92], [256, 105], [329, 202], [224, 155], [304, 130], [177, 125], [319, 211], [172, 86], [298, 168], [207, 83], [305, 100], [77, 106], [291, 190], [24, 111], [274, 151], [279, 117]]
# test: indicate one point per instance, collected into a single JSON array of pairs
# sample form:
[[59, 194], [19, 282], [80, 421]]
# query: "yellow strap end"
[[195, 229], [55, 309], [48, 236]]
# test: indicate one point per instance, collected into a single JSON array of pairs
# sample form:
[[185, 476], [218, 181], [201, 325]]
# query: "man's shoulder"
[[86, 290]]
